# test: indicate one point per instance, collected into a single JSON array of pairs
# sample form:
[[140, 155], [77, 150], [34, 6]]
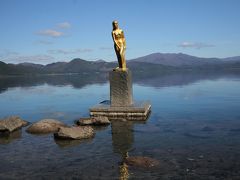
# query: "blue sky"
[[47, 31]]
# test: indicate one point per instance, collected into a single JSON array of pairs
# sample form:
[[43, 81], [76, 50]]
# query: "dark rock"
[[45, 126], [108, 102], [75, 132], [139, 161], [96, 121], [11, 124]]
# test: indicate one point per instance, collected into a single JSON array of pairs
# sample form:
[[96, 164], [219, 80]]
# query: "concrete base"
[[137, 111], [121, 88]]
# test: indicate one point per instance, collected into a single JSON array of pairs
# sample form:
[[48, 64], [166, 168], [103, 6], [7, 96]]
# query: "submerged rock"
[[67, 143], [10, 137], [139, 161], [95, 121], [11, 124], [45, 126], [75, 132]]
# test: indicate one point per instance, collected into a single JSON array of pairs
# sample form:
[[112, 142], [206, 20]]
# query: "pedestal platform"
[[121, 104], [136, 111]]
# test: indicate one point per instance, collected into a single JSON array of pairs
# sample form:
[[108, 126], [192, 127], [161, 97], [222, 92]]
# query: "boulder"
[[139, 161], [75, 132], [45, 126], [95, 121], [11, 124]]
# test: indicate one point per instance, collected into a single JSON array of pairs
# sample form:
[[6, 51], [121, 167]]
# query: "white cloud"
[[64, 25], [50, 33], [69, 51], [55, 33], [43, 42], [38, 59], [196, 45], [6, 53], [106, 48]]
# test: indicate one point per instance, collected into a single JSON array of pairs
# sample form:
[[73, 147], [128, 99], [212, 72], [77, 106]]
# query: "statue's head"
[[115, 24]]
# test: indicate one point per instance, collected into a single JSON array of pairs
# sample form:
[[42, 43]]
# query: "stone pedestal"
[[121, 100], [121, 88]]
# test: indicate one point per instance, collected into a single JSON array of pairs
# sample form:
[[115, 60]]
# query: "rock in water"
[[11, 124], [139, 161], [96, 121], [75, 132], [85, 121], [101, 120], [45, 126]]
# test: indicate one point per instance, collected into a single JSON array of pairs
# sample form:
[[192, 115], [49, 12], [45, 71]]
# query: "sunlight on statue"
[[119, 46]]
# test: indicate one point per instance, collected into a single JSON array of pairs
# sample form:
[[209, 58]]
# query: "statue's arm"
[[114, 40], [124, 40]]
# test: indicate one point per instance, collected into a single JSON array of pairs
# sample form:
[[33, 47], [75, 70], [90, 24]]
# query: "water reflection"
[[10, 137], [122, 141], [122, 136], [80, 81], [193, 130], [77, 81], [68, 143], [183, 78]]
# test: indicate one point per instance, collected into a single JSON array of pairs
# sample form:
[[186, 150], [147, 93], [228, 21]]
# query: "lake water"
[[193, 130]]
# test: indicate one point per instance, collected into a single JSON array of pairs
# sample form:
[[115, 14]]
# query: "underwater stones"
[[95, 121], [45, 126], [11, 124], [74, 132], [140, 161]]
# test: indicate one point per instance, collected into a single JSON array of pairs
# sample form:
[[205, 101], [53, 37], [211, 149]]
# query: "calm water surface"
[[193, 130]]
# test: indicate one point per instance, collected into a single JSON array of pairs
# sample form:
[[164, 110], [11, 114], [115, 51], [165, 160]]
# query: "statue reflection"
[[122, 136], [122, 140]]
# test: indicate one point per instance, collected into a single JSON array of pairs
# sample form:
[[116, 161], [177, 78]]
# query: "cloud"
[[106, 48], [196, 45], [41, 59], [69, 51], [64, 25], [55, 33], [50, 33], [6, 53], [43, 42]]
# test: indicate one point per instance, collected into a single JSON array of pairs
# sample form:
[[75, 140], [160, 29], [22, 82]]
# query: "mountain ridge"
[[176, 59], [152, 63]]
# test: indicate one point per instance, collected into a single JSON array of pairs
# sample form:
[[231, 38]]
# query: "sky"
[[46, 31]]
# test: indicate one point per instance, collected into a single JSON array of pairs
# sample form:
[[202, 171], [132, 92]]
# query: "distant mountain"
[[173, 59], [31, 65], [235, 59], [150, 65], [78, 66], [100, 60], [17, 69]]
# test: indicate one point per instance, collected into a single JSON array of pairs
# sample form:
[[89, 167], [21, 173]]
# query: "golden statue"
[[119, 45]]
